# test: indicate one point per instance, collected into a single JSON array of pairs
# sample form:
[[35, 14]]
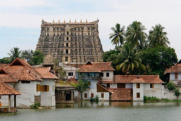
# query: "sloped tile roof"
[[96, 67], [136, 79], [5, 77], [45, 73], [21, 70], [7, 90], [174, 69]]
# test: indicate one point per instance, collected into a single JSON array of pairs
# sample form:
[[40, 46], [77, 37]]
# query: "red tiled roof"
[[45, 73], [5, 77], [7, 90], [135, 79], [96, 67], [21, 70], [176, 68]]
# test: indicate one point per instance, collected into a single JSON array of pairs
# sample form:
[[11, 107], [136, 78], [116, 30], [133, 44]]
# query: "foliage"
[[28, 55], [5, 60], [35, 106], [37, 58], [142, 53], [82, 86], [14, 53], [151, 99], [158, 37], [131, 61], [60, 73], [158, 59], [96, 99], [171, 86], [177, 93], [117, 37], [135, 34]]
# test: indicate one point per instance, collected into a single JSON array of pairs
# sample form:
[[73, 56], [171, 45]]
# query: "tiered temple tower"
[[72, 42]]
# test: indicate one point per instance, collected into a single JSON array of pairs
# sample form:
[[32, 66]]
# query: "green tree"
[[28, 55], [82, 86], [132, 63], [177, 93], [118, 35], [5, 60], [59, 71], [135, 35], [14, 53], [158, 37], [158, 59], [37, 58]]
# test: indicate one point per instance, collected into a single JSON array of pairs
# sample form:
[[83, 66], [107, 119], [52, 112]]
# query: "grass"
[[154, 100]]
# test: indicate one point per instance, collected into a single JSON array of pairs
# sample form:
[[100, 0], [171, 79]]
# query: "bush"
[[96, 99], [177, 93], [35, 106], [151, 99], [171, 86]]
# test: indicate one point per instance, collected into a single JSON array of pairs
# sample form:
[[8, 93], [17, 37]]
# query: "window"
[[42, 88], [102, 74], [102, 95], [137, 85], [67, 51], [67, 33], [67, 44], [107, 74], [85, 95], [67, 38], [70, 73], [121, 85], [66, 59], [108, 85], [92, 95], [151, 85], [138, 95], [25, 82], [38, 87], [176, 75], [0, 96]]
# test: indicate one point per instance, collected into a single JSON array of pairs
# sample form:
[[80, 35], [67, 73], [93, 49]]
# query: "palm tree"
[[135, 35], [158, 37], [118, 35], [132, 63], [14, 53]]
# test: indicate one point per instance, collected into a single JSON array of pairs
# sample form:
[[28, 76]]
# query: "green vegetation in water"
[[35, 106], [96, 99], [155, 99]]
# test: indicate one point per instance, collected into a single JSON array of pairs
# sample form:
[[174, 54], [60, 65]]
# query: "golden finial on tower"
[[86, 21], [70, 21], [59, 21], [81, 21], [75, 21], [53, 21], [64, 21]]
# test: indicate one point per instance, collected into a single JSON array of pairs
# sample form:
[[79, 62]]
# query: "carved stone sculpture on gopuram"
[[71, 42]]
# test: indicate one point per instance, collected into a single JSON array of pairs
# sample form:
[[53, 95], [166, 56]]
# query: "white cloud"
[[149, 12]]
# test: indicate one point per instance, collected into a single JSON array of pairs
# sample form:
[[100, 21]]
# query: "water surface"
[[100, 112]]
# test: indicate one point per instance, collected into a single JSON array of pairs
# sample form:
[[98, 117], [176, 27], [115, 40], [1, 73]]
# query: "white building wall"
[[129, 85], [48, 98], [111, 75], [157, 91], [138, 90], [93, 89], [28, 92], [113, 85]]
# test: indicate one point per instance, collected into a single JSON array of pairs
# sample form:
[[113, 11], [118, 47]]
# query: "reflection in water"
[[102, 111]]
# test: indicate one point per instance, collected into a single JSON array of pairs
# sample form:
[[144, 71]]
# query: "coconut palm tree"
[[132, 63], [14, 53], [135, 35], [158, 37], [118, 35]]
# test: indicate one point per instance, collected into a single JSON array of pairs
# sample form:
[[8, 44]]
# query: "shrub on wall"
[[171, 86]]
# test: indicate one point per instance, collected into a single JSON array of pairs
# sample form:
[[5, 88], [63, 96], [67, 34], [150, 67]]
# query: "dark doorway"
[[121, 85], [68, 96]]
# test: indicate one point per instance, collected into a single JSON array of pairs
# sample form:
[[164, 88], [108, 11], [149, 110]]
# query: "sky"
[[20, 20]]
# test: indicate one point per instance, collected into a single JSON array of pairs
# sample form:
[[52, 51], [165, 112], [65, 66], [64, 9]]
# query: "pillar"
[[15, 101], [9, 101]]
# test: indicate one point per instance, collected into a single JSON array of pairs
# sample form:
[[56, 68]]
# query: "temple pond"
[[100, 112]]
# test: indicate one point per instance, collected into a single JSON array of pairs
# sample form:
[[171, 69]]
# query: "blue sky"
[[20, 21]]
